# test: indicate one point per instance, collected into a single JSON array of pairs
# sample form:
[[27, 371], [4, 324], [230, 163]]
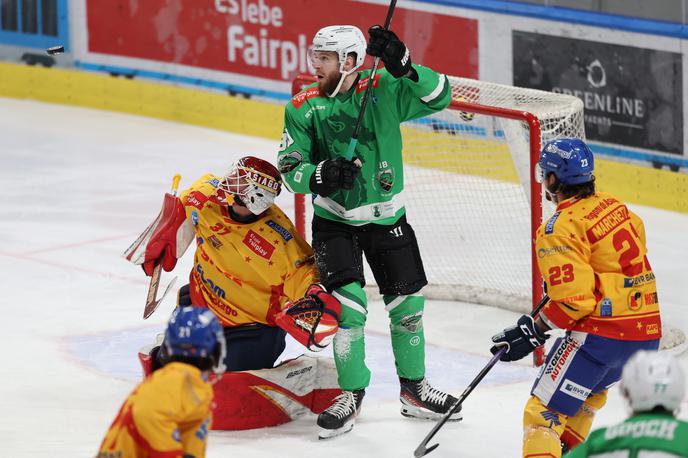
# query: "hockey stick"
[[366, 94], [151, 303], [423, 449]]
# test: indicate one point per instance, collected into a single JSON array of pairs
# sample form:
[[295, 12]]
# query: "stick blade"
[[422, 450], [152, 306]]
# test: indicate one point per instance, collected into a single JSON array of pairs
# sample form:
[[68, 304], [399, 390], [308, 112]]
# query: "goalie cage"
[[468, 183]]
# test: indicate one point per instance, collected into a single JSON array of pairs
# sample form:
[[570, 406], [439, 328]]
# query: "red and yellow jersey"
[[244, 272], [593, 258], [166, 416]]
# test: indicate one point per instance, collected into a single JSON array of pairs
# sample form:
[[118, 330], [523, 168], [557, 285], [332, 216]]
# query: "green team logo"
[[337, 126], [385, 179], [289, 162]]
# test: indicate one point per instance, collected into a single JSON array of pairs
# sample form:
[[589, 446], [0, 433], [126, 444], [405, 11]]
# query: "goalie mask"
[[254, 182], [343, 40]]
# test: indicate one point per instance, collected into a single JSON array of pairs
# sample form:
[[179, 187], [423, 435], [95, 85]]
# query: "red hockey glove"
[[165, 240], [312, 320]]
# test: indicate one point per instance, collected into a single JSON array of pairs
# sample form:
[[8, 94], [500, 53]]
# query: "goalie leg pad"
[[270, 397]]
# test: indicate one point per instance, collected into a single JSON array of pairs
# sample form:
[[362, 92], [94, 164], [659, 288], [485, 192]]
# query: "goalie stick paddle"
[[151, 303], [366, 94], [423, 448]]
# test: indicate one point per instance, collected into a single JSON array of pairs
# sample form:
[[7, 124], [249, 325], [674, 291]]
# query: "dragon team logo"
[[289, 162], [385, 179]]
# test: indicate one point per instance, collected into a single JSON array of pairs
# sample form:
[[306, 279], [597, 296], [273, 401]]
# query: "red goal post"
[[464, 152]]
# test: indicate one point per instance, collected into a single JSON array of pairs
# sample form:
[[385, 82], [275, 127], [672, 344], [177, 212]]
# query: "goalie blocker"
[[313, 320]]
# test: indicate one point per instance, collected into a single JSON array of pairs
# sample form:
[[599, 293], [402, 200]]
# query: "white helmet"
[[652, 379], [342, 39]]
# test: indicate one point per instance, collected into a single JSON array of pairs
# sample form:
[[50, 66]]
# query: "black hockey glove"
[[520, 340], [333, 174], [388, 47]]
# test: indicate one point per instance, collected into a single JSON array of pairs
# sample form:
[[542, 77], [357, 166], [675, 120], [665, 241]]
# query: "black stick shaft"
[[366, 94], [423, 449]]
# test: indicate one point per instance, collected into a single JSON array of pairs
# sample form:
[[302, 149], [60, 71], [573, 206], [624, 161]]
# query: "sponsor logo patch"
[[560, 357], [280, 230], [574, 390], [635, 300], [652, 329], [544, 252], [215, 242], [630, 282], [606, 307], [302, 96], [214, 182], [255, 242], [298, 372], [289, 162], [551, 417], [194, 217], [385, 179], [196, 199], [549, 227]]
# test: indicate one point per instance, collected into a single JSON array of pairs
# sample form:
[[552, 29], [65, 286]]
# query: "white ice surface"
[[78, 185]]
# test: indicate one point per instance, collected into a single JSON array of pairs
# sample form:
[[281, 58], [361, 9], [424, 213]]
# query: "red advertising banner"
[[267, 38]]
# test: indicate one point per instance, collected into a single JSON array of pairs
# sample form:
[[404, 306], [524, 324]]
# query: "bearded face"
[[328, 82], [326, 66]]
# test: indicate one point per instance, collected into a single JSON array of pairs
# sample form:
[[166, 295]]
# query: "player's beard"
[[328, 83]]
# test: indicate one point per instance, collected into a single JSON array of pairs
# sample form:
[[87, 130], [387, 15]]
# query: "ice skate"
[[420, 400], [339, 418]]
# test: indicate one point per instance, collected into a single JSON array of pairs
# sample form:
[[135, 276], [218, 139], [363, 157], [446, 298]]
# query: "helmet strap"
[[342, 77]]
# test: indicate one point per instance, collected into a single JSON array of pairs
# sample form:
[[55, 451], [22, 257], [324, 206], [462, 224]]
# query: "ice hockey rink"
[[79, 185]]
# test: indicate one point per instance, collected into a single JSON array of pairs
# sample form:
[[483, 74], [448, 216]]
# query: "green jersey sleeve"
[[295, 160], [431, 93]]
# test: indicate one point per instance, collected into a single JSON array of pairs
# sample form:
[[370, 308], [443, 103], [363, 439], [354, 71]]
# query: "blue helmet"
[[194, 332], [569, 159]]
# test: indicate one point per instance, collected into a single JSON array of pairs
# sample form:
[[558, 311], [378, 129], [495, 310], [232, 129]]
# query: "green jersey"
[[318, 128], [641, 436]]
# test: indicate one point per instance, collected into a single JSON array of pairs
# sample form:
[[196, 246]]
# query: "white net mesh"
[[467, 181], [467, 190]]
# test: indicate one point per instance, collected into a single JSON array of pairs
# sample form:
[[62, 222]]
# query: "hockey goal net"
[[469, 192]]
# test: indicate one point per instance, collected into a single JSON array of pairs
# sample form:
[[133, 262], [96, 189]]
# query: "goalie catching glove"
[[312, 320], [520, 340]]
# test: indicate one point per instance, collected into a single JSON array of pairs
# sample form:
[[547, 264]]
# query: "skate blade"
[[425, 414], [332, 433]]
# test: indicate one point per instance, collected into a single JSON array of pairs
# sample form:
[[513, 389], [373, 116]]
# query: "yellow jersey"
[[167, 415], [244, 272], [593, 257]]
